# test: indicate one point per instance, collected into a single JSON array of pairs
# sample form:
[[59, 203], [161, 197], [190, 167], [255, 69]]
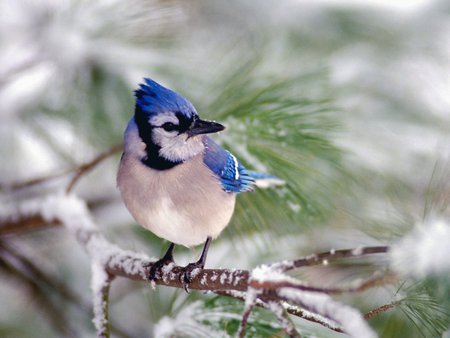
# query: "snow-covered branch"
[[286, 322], [266, 286], [100, 284]]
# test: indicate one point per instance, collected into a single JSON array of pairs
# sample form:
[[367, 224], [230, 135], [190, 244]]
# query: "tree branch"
[[88, 166], [375, 281], [100, 285], [284, 320], [268, 282], [40, 281], [79, 170], [250, 300], [381, 309], [326, 257], [21, 223], [292, 310]]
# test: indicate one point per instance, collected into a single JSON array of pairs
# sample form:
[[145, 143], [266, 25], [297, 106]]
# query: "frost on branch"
[[73, 213], [283, 317], [347, 317], [288, 289], [100, 283], [267, 286]]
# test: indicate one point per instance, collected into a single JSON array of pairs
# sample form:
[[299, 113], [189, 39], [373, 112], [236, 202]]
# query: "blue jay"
[[176, 181]]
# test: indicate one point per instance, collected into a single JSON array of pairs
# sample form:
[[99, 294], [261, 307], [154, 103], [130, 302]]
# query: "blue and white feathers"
[[176, 181]]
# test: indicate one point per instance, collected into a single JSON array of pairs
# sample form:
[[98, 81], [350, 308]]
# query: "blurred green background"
[[348, 101]]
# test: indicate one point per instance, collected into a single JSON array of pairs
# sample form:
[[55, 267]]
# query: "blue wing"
[[232, 174]]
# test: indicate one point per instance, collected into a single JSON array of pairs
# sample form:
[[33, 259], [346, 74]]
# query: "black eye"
[[169, 126]]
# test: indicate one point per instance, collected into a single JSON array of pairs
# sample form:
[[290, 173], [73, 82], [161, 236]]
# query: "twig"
[[284, 320], [20, 223], [327, 256], [292, 310], [350, 319], [251, 298], [35, 181], [326, 322], [88, 166], [382, 308], [101, 283], [389, 278], [79, 170], [24, 223]]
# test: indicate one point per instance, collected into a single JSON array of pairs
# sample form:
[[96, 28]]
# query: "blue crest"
[[152, 98]]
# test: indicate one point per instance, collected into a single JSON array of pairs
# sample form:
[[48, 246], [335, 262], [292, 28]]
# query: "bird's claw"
[[156, 269], [189, 272]]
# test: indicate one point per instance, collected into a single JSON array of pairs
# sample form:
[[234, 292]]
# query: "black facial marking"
[[185, 122], [152, 160], [145, 130]]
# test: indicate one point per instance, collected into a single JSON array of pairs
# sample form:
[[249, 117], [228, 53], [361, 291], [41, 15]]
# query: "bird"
[[174, 179]]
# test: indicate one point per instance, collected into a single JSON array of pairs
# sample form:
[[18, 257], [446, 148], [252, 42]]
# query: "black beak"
[[204, 127]]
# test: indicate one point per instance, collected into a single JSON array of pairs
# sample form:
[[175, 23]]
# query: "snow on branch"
[[276, 287], [291, 309], [251, 298], [350, 319], [266, 286], [100, 284], [286, 322], [73, 213]]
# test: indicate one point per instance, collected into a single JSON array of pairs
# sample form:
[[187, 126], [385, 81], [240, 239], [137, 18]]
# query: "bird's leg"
[[187, 276], [155, 270]]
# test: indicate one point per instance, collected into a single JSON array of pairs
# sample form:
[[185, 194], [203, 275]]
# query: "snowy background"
[[348, 101]]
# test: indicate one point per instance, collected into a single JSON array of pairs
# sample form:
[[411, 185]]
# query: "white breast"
[[184, 205]]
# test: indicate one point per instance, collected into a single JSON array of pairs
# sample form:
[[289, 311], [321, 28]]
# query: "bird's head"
[[169, 124]]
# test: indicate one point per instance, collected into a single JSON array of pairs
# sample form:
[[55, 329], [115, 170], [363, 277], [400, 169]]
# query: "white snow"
[[283, 319], [99, 280], [267, 273], [73, 213], [47, 44], [322, 304], [425, 251], [313, 316], [250, 298], [350, 319]]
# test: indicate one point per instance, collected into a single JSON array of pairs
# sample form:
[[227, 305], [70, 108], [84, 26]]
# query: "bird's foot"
[[189, 272], [156, 271]]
